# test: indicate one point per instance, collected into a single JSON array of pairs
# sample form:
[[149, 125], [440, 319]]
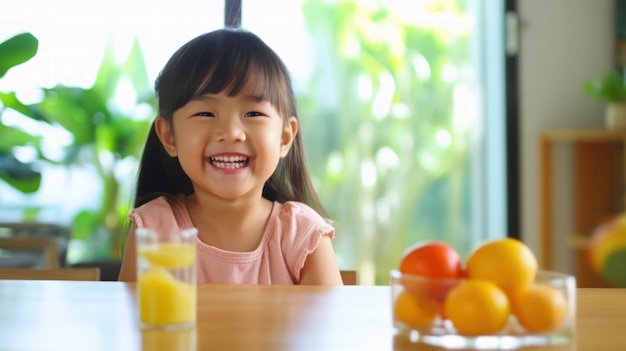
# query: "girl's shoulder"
[[161, 211], [299, 217], [162, 203], [297, 210]]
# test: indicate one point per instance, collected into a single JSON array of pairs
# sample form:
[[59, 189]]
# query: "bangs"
[[233, 63], [248, 77]]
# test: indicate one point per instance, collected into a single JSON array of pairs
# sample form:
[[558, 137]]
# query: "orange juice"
[[169, 340], [164, 300], [166, 285], [170, 255]]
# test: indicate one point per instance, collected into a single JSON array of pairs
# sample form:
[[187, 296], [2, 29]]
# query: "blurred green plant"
[[390, 159], [394, 164], [103, 136], [611, 87], [20, 175]]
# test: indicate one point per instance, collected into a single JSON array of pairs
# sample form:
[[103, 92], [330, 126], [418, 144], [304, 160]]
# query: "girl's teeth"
[[229, 162]]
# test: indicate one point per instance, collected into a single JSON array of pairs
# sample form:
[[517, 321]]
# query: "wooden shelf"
[[583, 135], [598, 191]]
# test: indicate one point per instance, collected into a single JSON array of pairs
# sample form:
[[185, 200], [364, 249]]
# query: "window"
[[401, 108], [85, 179], [402, 114]]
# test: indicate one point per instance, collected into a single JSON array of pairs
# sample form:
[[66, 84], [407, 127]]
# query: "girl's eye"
[[205, 114], [253, 114]]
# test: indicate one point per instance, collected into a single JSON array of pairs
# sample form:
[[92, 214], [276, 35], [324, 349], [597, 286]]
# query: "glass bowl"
[[437, 330]]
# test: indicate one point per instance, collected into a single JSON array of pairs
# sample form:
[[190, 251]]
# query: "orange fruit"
[[508, 263], [415, 311], [477, 307], [539, 308]]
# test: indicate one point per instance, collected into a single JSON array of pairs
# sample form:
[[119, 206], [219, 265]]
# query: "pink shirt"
[[293, 231]]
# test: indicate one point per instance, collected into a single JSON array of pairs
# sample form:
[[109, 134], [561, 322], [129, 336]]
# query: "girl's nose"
[[229, 130]]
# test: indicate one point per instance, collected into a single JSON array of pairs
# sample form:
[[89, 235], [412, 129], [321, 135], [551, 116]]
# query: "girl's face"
[[228, 146]]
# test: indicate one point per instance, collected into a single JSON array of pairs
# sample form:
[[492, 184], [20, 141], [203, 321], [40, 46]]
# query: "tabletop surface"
[[63, 315]]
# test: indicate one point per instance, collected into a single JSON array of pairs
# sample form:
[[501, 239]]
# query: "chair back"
[[59, 233], [87, 274], [47, 245], [349, 277]]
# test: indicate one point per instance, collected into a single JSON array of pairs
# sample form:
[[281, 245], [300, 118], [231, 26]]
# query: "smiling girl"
[[225, 156]]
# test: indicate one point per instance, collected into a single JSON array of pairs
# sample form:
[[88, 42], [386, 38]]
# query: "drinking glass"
[[169, 340], [166, 277]]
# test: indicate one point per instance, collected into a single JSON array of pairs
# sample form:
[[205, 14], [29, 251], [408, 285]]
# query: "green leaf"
[[17, 50], [108, 73], [84, 224], [29, 214], [12, 136], [130, 136], [19, 175], [76, 110], [105, 137], [611, 87], [135, 69], [10, 100], [23, 185]]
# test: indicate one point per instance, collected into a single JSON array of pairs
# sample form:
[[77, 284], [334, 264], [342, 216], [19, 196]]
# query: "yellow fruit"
[[477, 307], [508, 263], [170, 255], [539, 308], [415, 311]]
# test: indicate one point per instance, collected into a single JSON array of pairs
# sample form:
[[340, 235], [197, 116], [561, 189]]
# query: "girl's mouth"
[[229, 162]]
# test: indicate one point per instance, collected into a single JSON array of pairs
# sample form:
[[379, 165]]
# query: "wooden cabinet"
[[598, 193]]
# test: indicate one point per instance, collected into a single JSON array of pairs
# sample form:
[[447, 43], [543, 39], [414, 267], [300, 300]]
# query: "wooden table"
[[63, 315]]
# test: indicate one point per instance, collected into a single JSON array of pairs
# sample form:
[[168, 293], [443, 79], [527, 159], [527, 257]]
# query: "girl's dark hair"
[[224, 60]]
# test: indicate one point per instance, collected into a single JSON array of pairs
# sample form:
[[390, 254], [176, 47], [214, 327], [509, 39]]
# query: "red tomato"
[[432, 259], [433, 269]]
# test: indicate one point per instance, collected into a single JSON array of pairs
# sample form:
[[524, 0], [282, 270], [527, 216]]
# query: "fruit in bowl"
[[432, 259], [499, 292], [508, 263], [435, 260], [477, 307]]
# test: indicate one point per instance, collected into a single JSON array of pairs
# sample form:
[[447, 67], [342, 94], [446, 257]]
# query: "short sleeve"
[[302, 228], [161, 212]]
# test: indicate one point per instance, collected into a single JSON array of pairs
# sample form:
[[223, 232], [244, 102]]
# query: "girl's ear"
[[289, 134], [166, 135]]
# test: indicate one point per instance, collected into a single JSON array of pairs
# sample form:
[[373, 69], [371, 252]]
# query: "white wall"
[[562, 44]]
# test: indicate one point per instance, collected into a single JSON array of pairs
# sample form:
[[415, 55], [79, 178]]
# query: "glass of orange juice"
[[168, 340], [166, 277]]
